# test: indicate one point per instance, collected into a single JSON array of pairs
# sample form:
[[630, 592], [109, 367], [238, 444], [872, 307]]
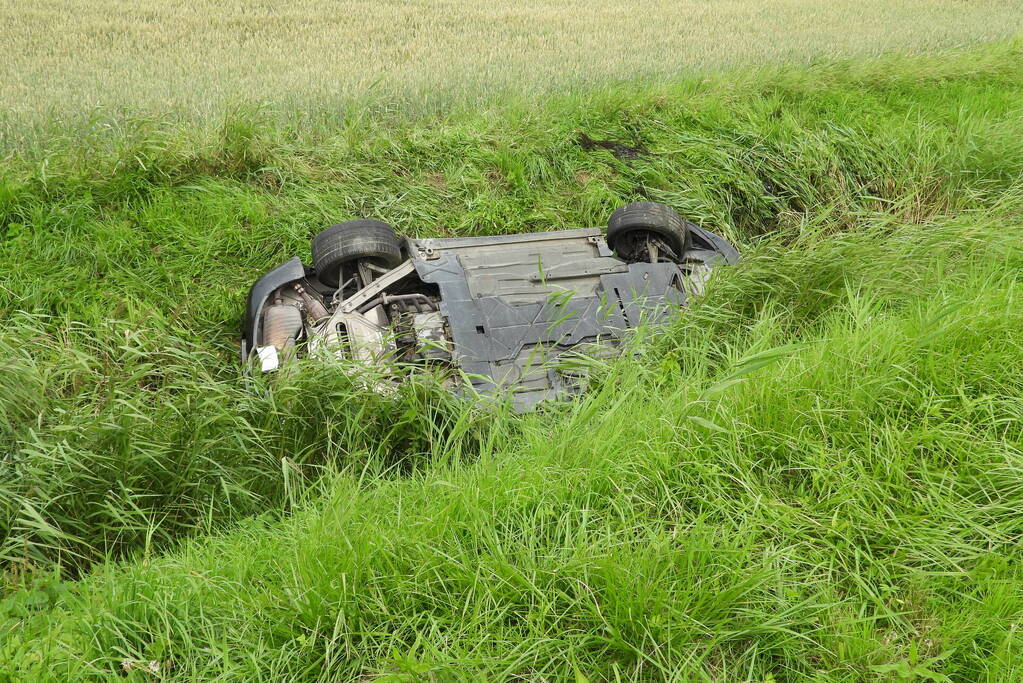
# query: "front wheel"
[[647, 232], [363, 242]]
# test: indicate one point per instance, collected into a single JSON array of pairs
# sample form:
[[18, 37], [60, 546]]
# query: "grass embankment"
[[815, 475]]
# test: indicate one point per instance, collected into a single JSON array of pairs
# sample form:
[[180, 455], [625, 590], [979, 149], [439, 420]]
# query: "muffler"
[[282, 323]]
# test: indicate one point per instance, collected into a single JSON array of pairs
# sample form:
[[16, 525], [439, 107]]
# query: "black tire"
[[351, 241], [651, 218]]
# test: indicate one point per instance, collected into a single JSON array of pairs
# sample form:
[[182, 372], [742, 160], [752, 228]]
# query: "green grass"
[[815, 474]]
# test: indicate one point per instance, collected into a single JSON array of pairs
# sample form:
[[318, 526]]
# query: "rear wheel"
[[367, 246], [647, 231]]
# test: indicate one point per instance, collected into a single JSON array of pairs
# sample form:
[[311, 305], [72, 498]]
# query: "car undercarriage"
[[508, 313]]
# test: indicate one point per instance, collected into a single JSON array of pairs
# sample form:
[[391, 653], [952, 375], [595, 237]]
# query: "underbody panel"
[[517, 306]]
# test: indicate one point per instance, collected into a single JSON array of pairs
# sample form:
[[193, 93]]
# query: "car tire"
[[352, 241], [650, 218]]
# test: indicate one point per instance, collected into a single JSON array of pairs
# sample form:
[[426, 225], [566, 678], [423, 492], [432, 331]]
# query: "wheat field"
[[63, 57]]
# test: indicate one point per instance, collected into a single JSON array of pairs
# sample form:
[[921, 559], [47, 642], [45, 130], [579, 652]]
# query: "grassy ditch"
[[812, 475], [825, 492]]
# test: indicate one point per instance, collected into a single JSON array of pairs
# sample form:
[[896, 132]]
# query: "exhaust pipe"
[[281, 325]]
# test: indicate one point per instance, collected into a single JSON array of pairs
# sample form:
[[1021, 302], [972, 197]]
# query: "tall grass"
[[832, 497], [123, 440], [814, 474], [122, 273]]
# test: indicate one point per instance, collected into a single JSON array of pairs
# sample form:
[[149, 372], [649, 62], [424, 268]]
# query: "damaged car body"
[[503, 310]]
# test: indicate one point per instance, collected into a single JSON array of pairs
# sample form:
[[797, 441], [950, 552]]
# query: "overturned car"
[[507, 311]]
